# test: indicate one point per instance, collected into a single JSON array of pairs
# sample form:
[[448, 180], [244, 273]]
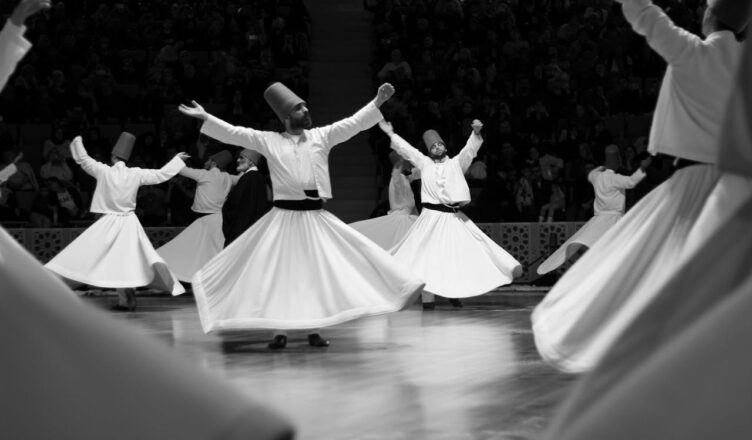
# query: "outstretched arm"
[[13, 45], [194, 174], [224, 132], [90, 166], [402, 147], [167, 172], [364, 119], [470, 150], [671, 42]]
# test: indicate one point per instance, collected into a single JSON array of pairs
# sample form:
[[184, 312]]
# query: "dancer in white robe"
[[115, 251], [388, 230], [69, 371], [689, 348], [298, 267], [444, 247], [608, 207], [591, 305], [203, 239]]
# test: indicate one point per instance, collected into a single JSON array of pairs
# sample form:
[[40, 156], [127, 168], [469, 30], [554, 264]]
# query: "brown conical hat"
[[733, 13], [252, 155], [430, 137], [222, 159], [613, 157], [281, 99], [124, 146]]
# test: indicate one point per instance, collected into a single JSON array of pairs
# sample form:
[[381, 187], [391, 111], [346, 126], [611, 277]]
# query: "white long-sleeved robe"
[[202, 239], [608, 208], [115, 251], [447, 249], [298, 269], [597, 298], [388, 230]]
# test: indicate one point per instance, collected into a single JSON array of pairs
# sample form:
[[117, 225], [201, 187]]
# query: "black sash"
[[680, 163], [311, 204], [442, 208]]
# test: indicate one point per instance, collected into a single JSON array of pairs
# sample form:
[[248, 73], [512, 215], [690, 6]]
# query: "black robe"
[[246, 203]]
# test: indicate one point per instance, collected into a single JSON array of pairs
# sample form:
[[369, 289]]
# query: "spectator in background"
[[65, 202], [56, 167], [56, 141], [396, 63]]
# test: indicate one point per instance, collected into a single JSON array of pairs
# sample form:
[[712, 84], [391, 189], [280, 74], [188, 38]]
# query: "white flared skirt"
[[585, 237], [594, 301], [195, 246], [454, 257], [115, 252], [688, 347], [71, 371], [300, 270], [387, 230]]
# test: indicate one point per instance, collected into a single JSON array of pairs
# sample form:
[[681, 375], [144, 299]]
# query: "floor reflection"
[[470, 373]]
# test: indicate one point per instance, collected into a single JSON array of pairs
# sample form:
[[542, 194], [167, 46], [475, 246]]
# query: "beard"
[[303, 122], [437, 156]]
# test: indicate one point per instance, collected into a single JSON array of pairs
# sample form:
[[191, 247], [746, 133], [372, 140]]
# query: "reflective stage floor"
[[469, 373]]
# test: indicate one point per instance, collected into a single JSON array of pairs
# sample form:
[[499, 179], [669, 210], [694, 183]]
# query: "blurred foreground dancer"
[[596, 299], [298, 267], [69, 371], [248, 201], [115, 251], [388, 230], [444, 247], [608, 207], [682, 368], [203, 239]]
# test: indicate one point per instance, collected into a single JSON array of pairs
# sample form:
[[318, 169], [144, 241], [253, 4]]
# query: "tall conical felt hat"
[[124, 146], [430, 137], [733, 13], [222, 159], [281, 99], [613, 157], [252, 155]]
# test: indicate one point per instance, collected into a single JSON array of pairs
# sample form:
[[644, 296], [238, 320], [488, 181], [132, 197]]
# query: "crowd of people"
[[132, 62], [545, 76]]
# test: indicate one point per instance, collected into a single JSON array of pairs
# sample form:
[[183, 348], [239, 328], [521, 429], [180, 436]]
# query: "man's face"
[[244, 164], [300, 118], [437, 150]]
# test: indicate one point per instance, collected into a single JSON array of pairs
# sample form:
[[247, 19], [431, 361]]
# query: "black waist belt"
[[299, 205], [442, 208], [680, 163]]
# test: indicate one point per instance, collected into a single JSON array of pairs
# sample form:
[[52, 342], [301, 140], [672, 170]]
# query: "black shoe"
[[315, 340], [429, 305], [279, 341], [455, 302], [121, 308]]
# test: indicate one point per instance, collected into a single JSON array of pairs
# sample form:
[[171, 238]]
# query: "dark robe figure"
[[248, 201]]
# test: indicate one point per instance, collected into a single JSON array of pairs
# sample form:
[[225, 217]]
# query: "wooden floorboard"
[[470, 373]]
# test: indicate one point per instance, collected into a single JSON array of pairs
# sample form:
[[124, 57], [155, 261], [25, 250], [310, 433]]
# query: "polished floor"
[[469, 373]]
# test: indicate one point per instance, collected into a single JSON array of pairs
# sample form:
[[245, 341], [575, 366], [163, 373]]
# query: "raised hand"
[[385, 92], [26, 9], [386, 127], [183, 156], [477, 126], [196, 111]]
